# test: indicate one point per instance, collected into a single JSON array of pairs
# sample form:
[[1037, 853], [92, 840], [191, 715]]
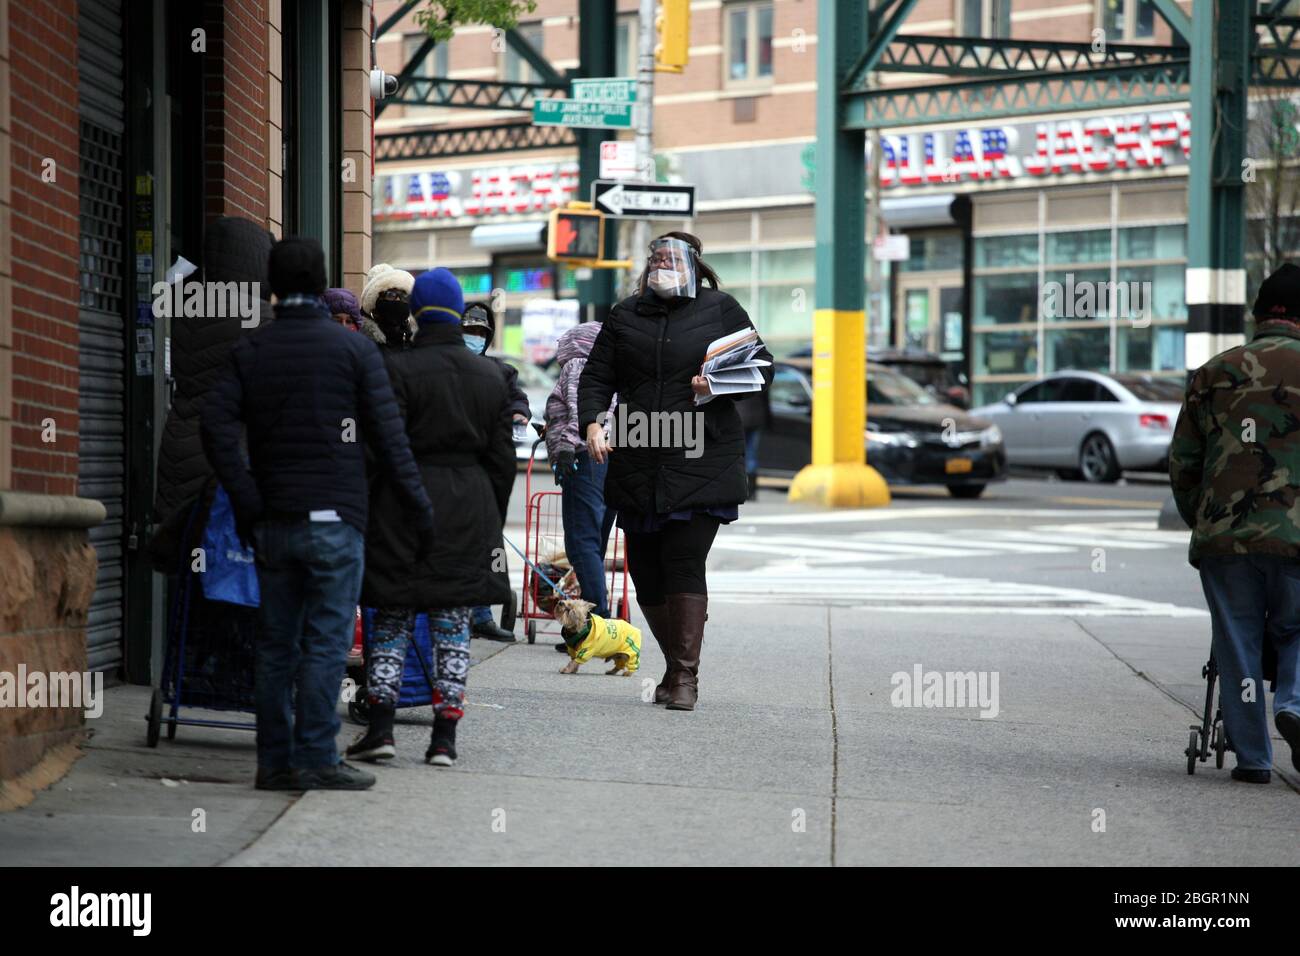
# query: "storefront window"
[[1000, 252], [1153, 242], [1152, 349], [474, 282], [1161, 291], [1087, 349], [1006, 353], [1088, 245], [1072, 295], [1005, 299], [934, 252], [733, 268]]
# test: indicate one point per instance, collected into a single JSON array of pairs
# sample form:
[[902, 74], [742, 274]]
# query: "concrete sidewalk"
[[125, 804], [796, 756]]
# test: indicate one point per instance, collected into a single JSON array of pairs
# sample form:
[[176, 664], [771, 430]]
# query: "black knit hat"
[[297, 267], [1279, 295]]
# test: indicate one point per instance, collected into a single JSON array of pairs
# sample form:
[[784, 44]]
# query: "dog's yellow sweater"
[[607, 637]]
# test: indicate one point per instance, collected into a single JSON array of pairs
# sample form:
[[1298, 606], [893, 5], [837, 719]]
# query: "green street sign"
[[588, 114], [613, 89]]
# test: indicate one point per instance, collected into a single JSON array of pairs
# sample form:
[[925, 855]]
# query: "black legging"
[[670, 561]]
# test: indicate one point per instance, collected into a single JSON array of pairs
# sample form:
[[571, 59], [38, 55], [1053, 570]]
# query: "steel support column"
[[596, 47], [1216, 224], [839, 475]]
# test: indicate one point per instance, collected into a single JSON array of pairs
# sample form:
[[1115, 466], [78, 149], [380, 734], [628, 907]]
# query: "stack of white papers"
[[730, 366]]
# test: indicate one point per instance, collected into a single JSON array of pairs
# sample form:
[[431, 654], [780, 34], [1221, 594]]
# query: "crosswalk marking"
[[911, 592], [870, 547]]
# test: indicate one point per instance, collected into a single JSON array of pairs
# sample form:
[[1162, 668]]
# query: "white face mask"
[[664, 282]]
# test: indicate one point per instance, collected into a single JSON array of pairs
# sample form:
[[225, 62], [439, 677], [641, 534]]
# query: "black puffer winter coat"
[[234, 250], [457, 412], [648, 351], [309, 396]]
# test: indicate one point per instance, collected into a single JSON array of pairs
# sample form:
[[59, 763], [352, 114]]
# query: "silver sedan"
[[1084, 424]]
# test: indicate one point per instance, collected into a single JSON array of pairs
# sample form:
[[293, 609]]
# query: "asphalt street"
[[1084, 624]]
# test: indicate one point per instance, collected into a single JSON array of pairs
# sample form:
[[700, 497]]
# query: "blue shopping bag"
[[230, 574]]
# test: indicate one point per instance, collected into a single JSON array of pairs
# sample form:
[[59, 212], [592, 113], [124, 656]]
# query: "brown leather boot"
[[658, 617], [689, 612]]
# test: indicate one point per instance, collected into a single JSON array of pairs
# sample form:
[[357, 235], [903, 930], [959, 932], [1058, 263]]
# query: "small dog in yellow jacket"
[[588, 635]]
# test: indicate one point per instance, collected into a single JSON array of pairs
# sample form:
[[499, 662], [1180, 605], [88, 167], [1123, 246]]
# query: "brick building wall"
[[43, 235], [236, 109], [47, 570]]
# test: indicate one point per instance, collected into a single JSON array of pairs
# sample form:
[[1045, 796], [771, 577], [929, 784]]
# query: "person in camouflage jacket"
[[1234, 466]]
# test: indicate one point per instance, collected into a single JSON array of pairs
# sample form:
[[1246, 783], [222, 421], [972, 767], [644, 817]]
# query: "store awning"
[[509, 237], [906, 212]]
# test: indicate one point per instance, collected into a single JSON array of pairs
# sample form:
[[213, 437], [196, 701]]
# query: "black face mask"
[[392, 315]]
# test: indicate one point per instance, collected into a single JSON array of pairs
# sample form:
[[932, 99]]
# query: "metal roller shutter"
[[102, 471]]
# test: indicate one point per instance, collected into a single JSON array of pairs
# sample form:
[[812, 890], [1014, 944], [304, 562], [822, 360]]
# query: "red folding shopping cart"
[[544, 537]]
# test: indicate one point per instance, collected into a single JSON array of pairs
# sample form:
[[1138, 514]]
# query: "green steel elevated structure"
[[1218, 53]]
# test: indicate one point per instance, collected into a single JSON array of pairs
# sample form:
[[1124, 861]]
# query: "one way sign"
[[643, 200]]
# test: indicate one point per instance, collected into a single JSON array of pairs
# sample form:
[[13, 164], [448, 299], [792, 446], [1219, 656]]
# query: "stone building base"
[[47, 578]]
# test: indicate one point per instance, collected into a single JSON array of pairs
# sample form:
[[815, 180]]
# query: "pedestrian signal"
[[575, 235]]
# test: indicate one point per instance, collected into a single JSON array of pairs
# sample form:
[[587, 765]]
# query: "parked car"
[[537, 385], [911, 437], [1089, 425], [944, 380]]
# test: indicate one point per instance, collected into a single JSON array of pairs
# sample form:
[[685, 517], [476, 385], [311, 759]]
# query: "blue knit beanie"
[[437, 297]]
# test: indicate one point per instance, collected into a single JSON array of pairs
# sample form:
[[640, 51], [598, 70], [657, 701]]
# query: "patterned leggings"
[[386, 656]]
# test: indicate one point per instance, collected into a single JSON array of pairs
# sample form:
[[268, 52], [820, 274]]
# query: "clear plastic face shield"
[[672, 269]]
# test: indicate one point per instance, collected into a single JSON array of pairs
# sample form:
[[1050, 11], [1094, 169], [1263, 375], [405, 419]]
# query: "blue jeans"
[[752, 437], [310, 576], [586, 527], [481, 615], [1243, 592]]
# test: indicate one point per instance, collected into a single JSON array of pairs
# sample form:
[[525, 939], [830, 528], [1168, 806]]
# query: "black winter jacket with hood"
[[234, 250], [309, 394], [648, 351], [457, 413]]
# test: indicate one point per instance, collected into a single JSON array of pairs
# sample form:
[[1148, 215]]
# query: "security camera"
[[382, 84]]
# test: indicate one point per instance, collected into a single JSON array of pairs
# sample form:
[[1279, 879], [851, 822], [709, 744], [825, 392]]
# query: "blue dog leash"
[[536, 570]]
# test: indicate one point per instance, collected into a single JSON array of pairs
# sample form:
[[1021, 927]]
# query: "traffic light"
[[575, 234], [674, 28]]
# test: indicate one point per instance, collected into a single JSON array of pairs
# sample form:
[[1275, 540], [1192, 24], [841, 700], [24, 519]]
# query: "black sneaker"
[[376, 742], [1288, 725], [442, 750], [1251, 776], [282, 779], [339, 777], [562, 647], [489, 631]]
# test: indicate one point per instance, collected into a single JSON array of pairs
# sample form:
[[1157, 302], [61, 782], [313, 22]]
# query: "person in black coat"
[[308, 394], [478, 327], [670, 500], [457, 412], [234, 250]]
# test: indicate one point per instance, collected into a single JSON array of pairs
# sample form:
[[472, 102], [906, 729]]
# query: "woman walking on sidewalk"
[[670, 500], [587, 521], [457, 413]]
